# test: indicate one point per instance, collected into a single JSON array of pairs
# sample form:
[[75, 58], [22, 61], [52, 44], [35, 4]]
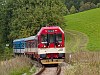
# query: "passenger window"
[[32, 44], [22, 45], [28, 44]]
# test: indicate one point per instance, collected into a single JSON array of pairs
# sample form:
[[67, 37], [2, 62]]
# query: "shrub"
[[81, 8], [87, 6], [98, 5], [93, 5]]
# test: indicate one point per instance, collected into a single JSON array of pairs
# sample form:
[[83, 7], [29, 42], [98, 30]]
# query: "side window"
[[19, 46], [22, 45], [27, 44], [43, 38], [32, 44]]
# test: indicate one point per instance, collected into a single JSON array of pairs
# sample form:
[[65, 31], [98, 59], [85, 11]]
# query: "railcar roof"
[[30, 38], [22, 39], [25, 39], [51, 27]]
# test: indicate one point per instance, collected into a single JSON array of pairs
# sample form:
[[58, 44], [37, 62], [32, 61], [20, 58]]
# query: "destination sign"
[[50, 30]]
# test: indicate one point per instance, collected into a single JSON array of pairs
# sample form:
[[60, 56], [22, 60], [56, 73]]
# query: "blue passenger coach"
[[19, 46]]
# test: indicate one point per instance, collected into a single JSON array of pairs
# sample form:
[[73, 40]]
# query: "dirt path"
[[77, 41]]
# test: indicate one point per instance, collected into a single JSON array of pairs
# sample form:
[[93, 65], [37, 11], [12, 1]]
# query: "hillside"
[[87, 22]]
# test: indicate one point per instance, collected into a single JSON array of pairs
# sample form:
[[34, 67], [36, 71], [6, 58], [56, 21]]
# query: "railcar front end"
[[51, 47]]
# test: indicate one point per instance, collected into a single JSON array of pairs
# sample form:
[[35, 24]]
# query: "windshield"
[[51, 38], [47, 38], [59, 38]]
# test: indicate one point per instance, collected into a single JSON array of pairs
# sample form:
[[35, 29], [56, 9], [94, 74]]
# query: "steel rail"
[[40, 72], [58, 71]]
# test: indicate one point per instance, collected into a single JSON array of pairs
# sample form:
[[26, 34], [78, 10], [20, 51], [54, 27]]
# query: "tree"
[[23, 18], [4, 27], [81, 3], [72, 10]]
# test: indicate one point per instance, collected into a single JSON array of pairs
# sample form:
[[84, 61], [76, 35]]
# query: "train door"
[[51, 40]]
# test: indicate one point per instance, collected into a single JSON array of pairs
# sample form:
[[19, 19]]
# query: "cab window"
[[59, 38], [43, 38]]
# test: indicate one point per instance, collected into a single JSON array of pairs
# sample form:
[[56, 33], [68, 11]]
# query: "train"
[[47, 46]]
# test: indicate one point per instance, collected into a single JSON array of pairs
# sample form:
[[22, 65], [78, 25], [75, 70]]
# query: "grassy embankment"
[[87, 22], [82, 33], [84, 63], [75, 41], [17, 66]]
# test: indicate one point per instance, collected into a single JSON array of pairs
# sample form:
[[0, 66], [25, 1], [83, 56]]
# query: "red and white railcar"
[[51, 46], [47, 46]]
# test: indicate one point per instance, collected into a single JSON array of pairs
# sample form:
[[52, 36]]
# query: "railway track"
[[50, 70]]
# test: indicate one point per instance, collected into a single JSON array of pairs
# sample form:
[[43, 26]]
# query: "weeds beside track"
[[15, 66]]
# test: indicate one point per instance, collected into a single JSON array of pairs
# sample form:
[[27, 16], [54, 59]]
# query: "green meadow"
[[87, 22]]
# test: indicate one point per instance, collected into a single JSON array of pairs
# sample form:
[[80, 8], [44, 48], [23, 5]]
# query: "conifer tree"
[[72, 10]]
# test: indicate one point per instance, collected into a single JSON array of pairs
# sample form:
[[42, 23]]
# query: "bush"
[[93, 5], [81, 8], [87, 6], [98, 5]]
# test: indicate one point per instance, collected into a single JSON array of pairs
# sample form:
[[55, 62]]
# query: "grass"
[[87, 22], [16, 66], [75, 41], [24, 70], [83, 69], [84, 63], [83, 34], [20, 71]]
